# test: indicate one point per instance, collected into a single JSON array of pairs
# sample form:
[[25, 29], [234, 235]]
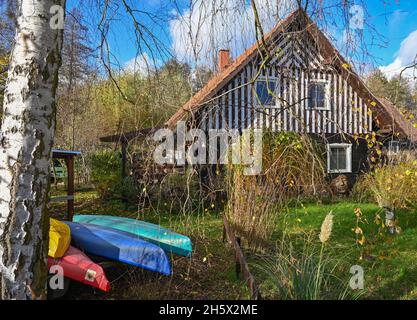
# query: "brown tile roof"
[[384, 112]]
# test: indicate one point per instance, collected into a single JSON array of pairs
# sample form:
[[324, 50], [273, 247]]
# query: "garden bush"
[[178, 192], [391, 185], [105, 171], [127, 189]]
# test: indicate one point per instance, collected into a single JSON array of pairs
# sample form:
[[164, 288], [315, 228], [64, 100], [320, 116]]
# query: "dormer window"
[[319, 95], [266, 92]]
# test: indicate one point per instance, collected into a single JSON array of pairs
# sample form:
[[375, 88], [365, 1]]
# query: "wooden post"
[[241, 264], [238, 265], [124, 159], [70, 188]]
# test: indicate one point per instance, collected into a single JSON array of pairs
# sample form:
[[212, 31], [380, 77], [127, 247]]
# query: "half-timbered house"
[[295, 80]]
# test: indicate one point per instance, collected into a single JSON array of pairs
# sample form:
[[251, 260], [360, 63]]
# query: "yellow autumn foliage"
[[392, 185]]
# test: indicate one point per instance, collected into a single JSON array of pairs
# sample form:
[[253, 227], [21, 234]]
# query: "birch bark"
[[26, 140]]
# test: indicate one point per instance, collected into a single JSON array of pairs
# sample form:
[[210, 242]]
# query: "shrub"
[[106, 171], [391, 185], [126, 189], [361, 192], [177, 192]]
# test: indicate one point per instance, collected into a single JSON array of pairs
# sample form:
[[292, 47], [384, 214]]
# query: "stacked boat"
[[126, 240]]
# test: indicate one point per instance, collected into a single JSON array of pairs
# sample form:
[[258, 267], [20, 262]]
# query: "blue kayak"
[[162, 237], [120, 246]]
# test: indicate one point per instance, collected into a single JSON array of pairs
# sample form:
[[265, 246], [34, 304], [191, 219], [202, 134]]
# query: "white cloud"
[[142, 65], [209, 25], [404, 57], [397, 17]]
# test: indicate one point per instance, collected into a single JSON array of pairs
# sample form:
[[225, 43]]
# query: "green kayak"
[[162, 237]]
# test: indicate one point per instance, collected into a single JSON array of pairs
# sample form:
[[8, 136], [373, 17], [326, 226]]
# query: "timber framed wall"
[[296, 62]]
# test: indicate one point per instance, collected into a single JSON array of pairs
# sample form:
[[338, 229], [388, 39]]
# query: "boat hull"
[[118, 245], [162, 237], [59, 238], [77, 266]]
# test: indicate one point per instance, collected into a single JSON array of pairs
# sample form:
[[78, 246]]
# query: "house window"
[[319, 95], [265, 92], [393, 147], [339, 158]]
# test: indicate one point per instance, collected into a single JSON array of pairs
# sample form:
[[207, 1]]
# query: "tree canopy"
[[399, 90]]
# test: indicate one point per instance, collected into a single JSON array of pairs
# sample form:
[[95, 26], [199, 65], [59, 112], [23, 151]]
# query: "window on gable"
[[339, 158], [318, 97], [396, 146], [265, 92]]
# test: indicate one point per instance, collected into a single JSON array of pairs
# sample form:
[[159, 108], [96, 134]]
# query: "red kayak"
[[77, 266]]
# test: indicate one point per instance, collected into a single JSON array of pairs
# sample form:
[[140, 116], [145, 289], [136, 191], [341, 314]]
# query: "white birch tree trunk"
[[26, 140]]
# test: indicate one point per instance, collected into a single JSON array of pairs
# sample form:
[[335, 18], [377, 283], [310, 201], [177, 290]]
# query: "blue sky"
[[395, 20]]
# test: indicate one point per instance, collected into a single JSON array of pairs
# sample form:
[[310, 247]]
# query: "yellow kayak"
[[59, 238]]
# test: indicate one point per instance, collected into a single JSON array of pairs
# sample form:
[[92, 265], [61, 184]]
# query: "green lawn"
[[389, 262]]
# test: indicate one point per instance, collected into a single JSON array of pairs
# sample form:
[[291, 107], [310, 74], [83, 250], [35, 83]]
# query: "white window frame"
[[327, 94], [397, 148], [266, 79], [348, 147]]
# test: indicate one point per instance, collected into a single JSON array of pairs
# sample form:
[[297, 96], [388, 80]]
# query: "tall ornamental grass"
[[303, 268], [292, 166]]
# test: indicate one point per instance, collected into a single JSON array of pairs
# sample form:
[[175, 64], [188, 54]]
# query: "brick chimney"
[[224, 59]]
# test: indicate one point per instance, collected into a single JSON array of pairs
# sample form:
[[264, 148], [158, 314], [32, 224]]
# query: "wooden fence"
[[241, 264]]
